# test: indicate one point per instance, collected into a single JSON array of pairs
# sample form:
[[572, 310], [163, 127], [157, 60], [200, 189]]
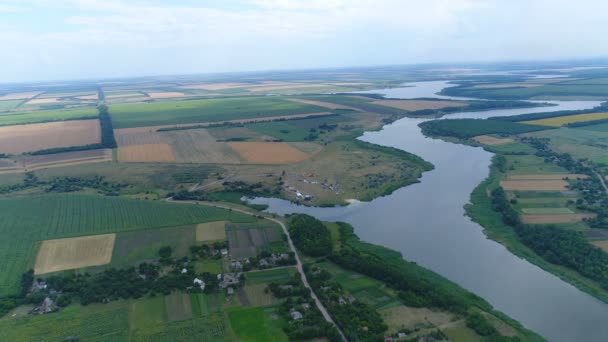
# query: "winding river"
[[426, 223]]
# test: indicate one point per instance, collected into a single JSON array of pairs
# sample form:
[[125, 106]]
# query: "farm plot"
[[413, 105], [179, 307], [253, 324], [7, 105], [31, 163], [268, 153], [534, 185], [166, 95], [547, 211], [399, 317], [33, 137], [535, 177], [554, 218], [258, 296], [199, 146], [564, 120], [208, 110], [324, 104], [73, 253], [146, 153], [492, 141], [211, 231], [28, 220], [130, 138], [245, 240], [47, 116], [215, 86], [578, 142]]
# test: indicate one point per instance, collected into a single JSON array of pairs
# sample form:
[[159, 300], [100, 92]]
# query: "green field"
[[554, 90], [530, 164], [252, 324], [7, 105], [29, 220], [209, 110], [580, 143], [47, 115], [276, 275]]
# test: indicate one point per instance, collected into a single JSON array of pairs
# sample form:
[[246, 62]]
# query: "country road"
[[292, 247]]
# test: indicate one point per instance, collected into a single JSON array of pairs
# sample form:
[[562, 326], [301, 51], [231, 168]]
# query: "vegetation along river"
[[426, 223]]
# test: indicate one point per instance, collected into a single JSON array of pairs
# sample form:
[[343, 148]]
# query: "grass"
[[209, 110], [7, 105], [580, 143], [208, 265], [146, 313], [29, 220], [252, 324], [47, 116], [531, 165], [564, 120], [96, 322]]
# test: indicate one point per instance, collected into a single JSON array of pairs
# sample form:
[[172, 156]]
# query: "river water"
[[426, 223]]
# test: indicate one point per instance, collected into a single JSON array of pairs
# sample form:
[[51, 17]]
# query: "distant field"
[[564, 120], [252, 324], [534, 185], [554, 218], [31, 163], [328, 105], [268, 153], [19, 96], [209, 110], [9, 104], [146, 153], [31, 219], [530, 164], [413, 105], [40, 136], [578, 142], [199, 146], [71, 253], [47, 115]]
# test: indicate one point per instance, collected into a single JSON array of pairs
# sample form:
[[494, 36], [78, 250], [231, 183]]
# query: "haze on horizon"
[[76, 39]]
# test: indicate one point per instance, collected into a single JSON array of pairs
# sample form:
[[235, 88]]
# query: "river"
[[426, 223]]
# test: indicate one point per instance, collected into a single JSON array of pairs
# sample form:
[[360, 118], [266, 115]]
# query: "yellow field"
[[554, 218], [211, 231], [268, 153], [534, 185], [146, 153], [564, 120], [492, 141], [71, 253]]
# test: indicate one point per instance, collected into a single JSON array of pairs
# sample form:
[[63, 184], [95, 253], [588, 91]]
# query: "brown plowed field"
[[534, 185], [72, 253], [146, 153], [412, 105], [268, 153], [33, 137], [554, 218], [126, 138], [492, 141]]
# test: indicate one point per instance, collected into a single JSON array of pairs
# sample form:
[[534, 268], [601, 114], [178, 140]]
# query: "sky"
[[84, 39]]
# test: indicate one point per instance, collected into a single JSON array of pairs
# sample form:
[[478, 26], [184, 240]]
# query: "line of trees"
[[107, 131]]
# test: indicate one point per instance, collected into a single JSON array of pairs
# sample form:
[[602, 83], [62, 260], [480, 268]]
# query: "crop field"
[[253, 324], [71, 253], [216, 86], [39, 136], [413, 105], [208, 265], [19, 96], [134, 247], [268, 153], [546, 211], [324, 104], [7, 105], [208, 110], [257, 295], [211, 231], [530, 164], [94, 322], [199, 146], [47, 115], [245, 240], [537, 177], [276, 275], [534, 185], [401, 316], [126, 138], [554, 218], [564, 120], [492, 141], [29, 220], [32, 163], [578, 142], [146, 153], [179, 307], [166, 95], [572, 91]]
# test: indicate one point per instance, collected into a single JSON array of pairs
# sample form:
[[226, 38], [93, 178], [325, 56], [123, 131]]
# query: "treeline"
[[476, 106], [468, 128], [310, 235], [66, 184], [538, 116], [557, 245], [107, 131]]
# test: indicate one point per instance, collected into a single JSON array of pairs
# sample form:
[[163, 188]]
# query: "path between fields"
[[292, 247]]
